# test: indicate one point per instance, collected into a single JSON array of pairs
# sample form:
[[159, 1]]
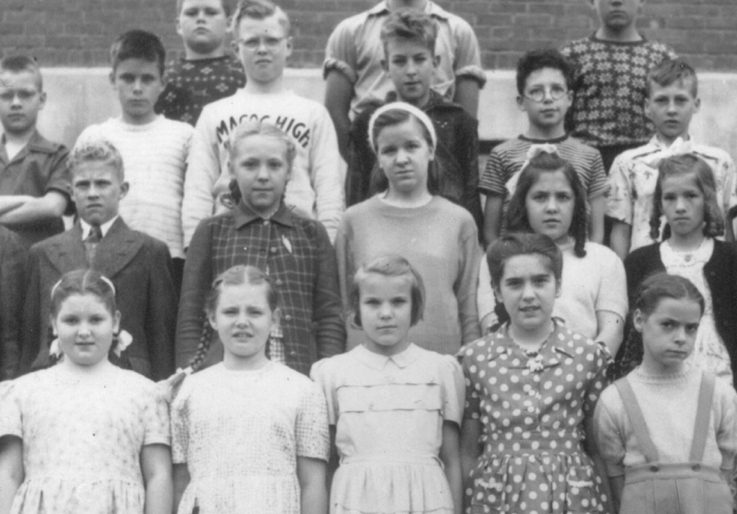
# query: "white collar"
[[104, 228]]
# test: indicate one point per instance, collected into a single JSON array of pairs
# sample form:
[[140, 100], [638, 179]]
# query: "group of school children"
[[312, 358]]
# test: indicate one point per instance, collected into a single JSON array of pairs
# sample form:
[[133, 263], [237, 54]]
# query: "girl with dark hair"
[[549, 200]]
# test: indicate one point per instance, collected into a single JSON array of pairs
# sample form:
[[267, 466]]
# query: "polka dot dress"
[[531, 407]]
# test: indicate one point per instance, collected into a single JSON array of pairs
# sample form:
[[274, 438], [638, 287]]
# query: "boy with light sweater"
[[315, 191]]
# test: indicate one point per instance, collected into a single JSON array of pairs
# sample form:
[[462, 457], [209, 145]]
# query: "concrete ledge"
[[78, 97]]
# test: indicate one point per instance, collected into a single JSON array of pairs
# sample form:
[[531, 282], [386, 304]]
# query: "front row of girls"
[[251, 435]]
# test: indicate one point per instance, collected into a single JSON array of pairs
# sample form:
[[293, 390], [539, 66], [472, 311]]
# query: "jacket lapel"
[[116, 249], [68, 252]]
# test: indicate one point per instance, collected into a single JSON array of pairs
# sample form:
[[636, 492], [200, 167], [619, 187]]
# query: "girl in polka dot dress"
[[530, 392]]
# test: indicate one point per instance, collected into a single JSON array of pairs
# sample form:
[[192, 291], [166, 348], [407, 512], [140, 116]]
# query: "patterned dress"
[[240, 433], [82, 439], [532, 409]]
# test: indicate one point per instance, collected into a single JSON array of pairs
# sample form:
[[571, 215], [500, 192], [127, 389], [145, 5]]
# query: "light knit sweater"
[[315, 188], [154, 161], [440, 240], [668, 404]]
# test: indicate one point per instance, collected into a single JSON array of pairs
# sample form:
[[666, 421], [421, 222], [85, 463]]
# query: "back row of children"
[[251, 435]]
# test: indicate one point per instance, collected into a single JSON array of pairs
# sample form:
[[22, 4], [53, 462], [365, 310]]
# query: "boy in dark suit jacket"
[[138, 265]]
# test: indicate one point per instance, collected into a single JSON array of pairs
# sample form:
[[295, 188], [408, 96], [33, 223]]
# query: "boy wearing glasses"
[[34, 181], [315, 190], [544, 80]]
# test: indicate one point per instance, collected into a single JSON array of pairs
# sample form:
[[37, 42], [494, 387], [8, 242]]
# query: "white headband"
[[409, 108]]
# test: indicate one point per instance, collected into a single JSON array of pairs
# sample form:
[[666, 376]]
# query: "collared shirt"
[[104, 228], [634, 175], [40, 167], [355, 49], [295, 252]]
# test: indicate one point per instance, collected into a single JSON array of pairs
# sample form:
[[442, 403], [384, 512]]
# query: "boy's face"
[[546, 98], [617, 15], [410, 65], [263, 47], [20, 101], [203, 25], [97, 191], [138, 83], [671, 108]]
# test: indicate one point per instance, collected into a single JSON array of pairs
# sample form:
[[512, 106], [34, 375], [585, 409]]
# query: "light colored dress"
[[532, 410], [709, 351], [82, 439], [240, 433], [389, 414]]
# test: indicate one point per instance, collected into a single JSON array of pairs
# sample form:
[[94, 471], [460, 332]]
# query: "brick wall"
[[78, 32]]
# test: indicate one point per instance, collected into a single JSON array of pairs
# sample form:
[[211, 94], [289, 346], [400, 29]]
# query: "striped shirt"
[[154, 162]]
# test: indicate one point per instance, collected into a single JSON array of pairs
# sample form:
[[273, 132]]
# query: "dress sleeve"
[[11, 418], [311, 429], [155, 417], [453, 389], [600, 359], [472, 403], [609, 435], [612, 294], [180, 424], [320, 373]]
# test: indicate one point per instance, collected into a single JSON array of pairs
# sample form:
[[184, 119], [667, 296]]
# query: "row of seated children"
[[517, 426]]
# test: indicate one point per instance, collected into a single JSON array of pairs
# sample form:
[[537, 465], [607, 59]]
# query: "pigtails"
[[235, 192], [202, 347], [657, 214]]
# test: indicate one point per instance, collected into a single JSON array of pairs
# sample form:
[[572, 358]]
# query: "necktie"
[[90, 244]]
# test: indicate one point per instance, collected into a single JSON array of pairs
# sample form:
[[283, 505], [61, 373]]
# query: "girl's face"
[[404, 155], [259, 165], [527, 289], [668, 333], [683, 204], [385, 305], [85, 329], [550, 205], [243, 320]]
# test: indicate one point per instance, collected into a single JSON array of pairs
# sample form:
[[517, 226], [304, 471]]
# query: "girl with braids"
[[248, 434], [685, 193], [261, 230], [550, 200], [84, 435]]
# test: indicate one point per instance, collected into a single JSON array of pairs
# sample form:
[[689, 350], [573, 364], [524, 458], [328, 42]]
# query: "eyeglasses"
[[537, 94], [253, 44]]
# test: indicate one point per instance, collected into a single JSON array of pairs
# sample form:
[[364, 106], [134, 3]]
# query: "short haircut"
[[517, 219], [98, 150], [671, 71], [250, 128], [410, 25], [227, 6], [535, 60], [682, 165], [138, 44], [21, 63], [389, 266], [260, 10], [522, 243]]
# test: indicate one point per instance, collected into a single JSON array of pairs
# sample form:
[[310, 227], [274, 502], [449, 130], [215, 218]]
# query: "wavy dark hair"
[[517, 219], [679, 166]]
